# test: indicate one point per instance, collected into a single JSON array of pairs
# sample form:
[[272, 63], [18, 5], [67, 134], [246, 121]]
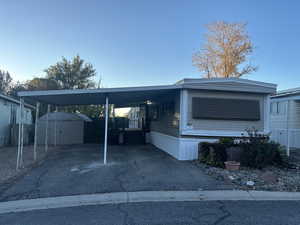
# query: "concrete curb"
[[144, 196]]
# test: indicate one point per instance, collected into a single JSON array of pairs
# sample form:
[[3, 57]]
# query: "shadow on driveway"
[[74, 170]]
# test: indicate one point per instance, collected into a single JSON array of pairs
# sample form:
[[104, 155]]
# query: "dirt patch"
[[8, 160]]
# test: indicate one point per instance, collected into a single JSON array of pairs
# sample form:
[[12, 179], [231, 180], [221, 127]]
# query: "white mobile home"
[[9, 115], [180, 115], [207, 109], [285, 117]]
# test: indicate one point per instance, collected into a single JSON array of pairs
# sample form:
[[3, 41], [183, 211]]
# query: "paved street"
[[79, 170], [180, 213]]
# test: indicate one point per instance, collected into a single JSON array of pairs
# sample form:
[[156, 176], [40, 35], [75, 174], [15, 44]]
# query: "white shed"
[[63, 128]]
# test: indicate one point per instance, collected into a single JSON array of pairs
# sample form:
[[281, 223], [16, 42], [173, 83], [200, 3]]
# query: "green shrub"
[[255, 151], [228, 141], [260, 155], [213, 154], [258, 151]]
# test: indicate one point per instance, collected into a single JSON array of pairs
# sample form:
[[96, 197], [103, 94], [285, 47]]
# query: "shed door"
[[70, 132]]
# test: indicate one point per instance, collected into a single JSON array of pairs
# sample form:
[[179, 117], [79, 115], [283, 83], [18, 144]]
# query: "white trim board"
[[216, 133]]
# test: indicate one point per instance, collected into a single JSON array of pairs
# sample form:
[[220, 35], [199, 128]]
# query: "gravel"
[[267, 179]]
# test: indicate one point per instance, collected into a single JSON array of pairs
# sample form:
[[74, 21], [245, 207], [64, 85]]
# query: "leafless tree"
[[225, 51]]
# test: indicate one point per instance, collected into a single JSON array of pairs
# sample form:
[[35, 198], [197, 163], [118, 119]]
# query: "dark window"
[[225, 109]]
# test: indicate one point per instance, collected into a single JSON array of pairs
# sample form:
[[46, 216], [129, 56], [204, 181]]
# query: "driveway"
[[76, 170]]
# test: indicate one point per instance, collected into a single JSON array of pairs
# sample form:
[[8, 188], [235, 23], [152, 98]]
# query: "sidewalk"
[[144, 196]]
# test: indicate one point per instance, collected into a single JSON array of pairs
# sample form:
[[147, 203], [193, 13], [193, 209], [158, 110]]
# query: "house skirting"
[[178, 147]]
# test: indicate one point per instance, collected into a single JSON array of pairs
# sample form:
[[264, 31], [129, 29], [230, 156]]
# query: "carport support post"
[[287, 129], [46, 132], [19, 136], [106, 127], [35, 130], [22, 132], [55, 127]]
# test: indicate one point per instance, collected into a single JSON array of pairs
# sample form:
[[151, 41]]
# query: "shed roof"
[[131, 95], [64, 116]]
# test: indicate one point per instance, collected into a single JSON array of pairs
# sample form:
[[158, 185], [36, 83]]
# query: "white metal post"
[[19, 136], [22, 132], [35, 130], [55, 127], [287, 128], [46, 132], [106, 127]]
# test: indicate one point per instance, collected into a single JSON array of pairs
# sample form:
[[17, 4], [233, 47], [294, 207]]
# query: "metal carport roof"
[[117, 96]]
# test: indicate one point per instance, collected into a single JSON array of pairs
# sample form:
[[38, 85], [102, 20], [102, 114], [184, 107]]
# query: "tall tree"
[[15, 88], [5, 82], [72, 74], [41, 84], [225, 51]]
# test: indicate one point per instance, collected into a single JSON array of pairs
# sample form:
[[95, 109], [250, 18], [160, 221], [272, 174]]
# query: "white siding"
[[5, 108], [6, 119], [179, 148], [279, 125]]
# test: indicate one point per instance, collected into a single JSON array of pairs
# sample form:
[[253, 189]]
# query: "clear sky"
[[143, 42]]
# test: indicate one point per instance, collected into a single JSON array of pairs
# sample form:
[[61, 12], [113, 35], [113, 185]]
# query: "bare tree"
[[225, 51]]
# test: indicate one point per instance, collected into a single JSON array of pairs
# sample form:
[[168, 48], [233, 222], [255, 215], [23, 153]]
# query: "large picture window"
[[225, 109]]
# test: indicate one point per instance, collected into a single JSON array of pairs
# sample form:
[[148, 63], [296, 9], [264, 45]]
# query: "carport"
[[119, 97]]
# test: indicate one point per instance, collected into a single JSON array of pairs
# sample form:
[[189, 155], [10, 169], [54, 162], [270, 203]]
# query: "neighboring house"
[[9, 115], [134, 117], [179, 116], [285, 117]]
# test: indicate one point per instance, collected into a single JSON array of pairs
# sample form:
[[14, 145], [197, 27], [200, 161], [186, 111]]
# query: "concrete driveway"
[[76, 170]]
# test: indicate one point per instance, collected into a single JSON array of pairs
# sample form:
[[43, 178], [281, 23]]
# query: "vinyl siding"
[[4, 122], [168, 123], [224, 125], [5, 119], [279, 121]]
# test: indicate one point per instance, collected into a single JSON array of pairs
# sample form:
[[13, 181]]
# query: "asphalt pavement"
[[166, 213], [74, 170]]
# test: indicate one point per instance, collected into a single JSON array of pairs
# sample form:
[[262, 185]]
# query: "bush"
[[255, 151], [228, 141], [213, 154], [261, 155], [259, 152]]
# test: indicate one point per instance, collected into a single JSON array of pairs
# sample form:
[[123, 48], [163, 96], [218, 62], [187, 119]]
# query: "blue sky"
[[142, 42]]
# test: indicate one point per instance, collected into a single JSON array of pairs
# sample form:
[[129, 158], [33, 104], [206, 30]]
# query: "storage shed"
[[63, 128]]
